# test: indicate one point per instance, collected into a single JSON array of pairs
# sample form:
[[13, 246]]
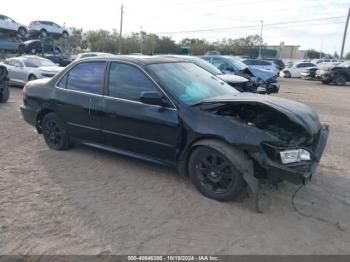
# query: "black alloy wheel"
[[339, 80], [214, 175], [54, 132]]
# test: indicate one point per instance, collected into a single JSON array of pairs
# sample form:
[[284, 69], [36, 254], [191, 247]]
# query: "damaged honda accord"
[[170, 111]]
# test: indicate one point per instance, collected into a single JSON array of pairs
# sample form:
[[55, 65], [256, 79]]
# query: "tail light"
[[24, 94]]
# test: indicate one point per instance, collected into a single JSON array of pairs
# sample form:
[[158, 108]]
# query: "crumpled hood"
[[230, 78], [298, 113], [261, 73], [53, 69]]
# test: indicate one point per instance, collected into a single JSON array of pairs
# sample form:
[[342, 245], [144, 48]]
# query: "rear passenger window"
[[86, 77], [128, 82]]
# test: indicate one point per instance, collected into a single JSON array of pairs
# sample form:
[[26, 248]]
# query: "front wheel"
[[214, 173], [22, 31], [65, 34], [340, 80], [55, 133]]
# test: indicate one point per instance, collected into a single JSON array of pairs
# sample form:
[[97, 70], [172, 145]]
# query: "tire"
[[32, 77], [216, 170], [326, 82], [22, 31], [5, 94], [287, 74], [65, 34], [54, 132], [43, 33], [339, 80]]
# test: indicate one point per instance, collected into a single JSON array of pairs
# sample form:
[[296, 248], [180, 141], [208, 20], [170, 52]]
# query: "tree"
[[347, 56], [335, 55]]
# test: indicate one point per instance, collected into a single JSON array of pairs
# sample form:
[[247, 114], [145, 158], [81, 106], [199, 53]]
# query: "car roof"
[[141, 60]]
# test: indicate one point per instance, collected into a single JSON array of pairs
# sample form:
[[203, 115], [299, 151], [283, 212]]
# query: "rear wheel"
[[54, 132], [287, 74], [339, 80], [214, 172], [5, 94]]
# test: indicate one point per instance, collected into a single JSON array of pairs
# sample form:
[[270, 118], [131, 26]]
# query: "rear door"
[[79, 100], [130, 125]]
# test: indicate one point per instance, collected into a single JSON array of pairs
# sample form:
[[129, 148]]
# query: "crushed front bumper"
[[297, 173]]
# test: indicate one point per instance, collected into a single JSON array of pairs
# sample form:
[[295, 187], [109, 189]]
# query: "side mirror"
[[153, 98]]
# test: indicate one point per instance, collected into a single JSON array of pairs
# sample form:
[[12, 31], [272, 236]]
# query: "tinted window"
[[221, 64], [301, 65], [87, 77], [127, 82]]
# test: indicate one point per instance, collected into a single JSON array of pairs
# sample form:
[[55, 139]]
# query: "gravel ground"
[[86, 201]]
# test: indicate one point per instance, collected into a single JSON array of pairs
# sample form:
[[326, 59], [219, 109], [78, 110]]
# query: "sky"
[[168, 17]]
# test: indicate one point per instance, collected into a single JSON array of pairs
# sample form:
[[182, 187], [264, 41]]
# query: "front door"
[[79, 100], [132, 126]]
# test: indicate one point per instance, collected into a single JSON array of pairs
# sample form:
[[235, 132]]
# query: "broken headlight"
[[295, 155]]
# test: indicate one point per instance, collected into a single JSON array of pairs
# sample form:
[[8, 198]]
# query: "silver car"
[[26, 68]]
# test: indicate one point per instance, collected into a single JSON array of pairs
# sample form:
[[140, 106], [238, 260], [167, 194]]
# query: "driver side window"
[[128, 82], [220, 64]]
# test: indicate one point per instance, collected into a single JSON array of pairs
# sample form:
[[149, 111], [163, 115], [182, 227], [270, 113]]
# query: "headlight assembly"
[[295, 155]]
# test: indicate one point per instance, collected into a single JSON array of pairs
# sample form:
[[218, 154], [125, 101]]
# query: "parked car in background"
[[278, 62], [38, 47], [90, 54], [339, 74], [27, 68], [296, 69], [58, 59], [46, 28], [262, 64], [240, 83], [9, 25], [314, 73], [172, 112], [231, 65], [9, 44], [325, 61], [4, 88]]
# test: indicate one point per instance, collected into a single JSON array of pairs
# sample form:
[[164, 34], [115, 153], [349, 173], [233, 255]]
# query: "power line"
[[251, 26]]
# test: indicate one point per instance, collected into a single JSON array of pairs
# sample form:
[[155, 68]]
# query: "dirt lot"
[[86, 201]]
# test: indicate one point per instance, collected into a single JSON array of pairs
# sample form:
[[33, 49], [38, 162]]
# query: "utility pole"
[[261, 40], [141, 40], [321, 48], [344, 36], [121, 29]]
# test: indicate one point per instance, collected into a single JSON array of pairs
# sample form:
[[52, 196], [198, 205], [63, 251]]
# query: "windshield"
[[37, 62], [207, 66], [237, 63], [189, 83]]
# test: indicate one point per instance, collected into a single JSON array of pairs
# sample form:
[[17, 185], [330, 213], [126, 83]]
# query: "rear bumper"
[[296, 173], [29, 115]]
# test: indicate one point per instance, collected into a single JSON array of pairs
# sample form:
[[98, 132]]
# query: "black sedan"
[[339, 74], [172, 112], [38, 47]]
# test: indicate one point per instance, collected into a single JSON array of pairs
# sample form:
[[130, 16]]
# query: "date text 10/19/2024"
[[173, 258]]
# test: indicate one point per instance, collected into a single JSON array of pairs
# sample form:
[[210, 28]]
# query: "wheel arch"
[[42, 113], [218, 142]]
